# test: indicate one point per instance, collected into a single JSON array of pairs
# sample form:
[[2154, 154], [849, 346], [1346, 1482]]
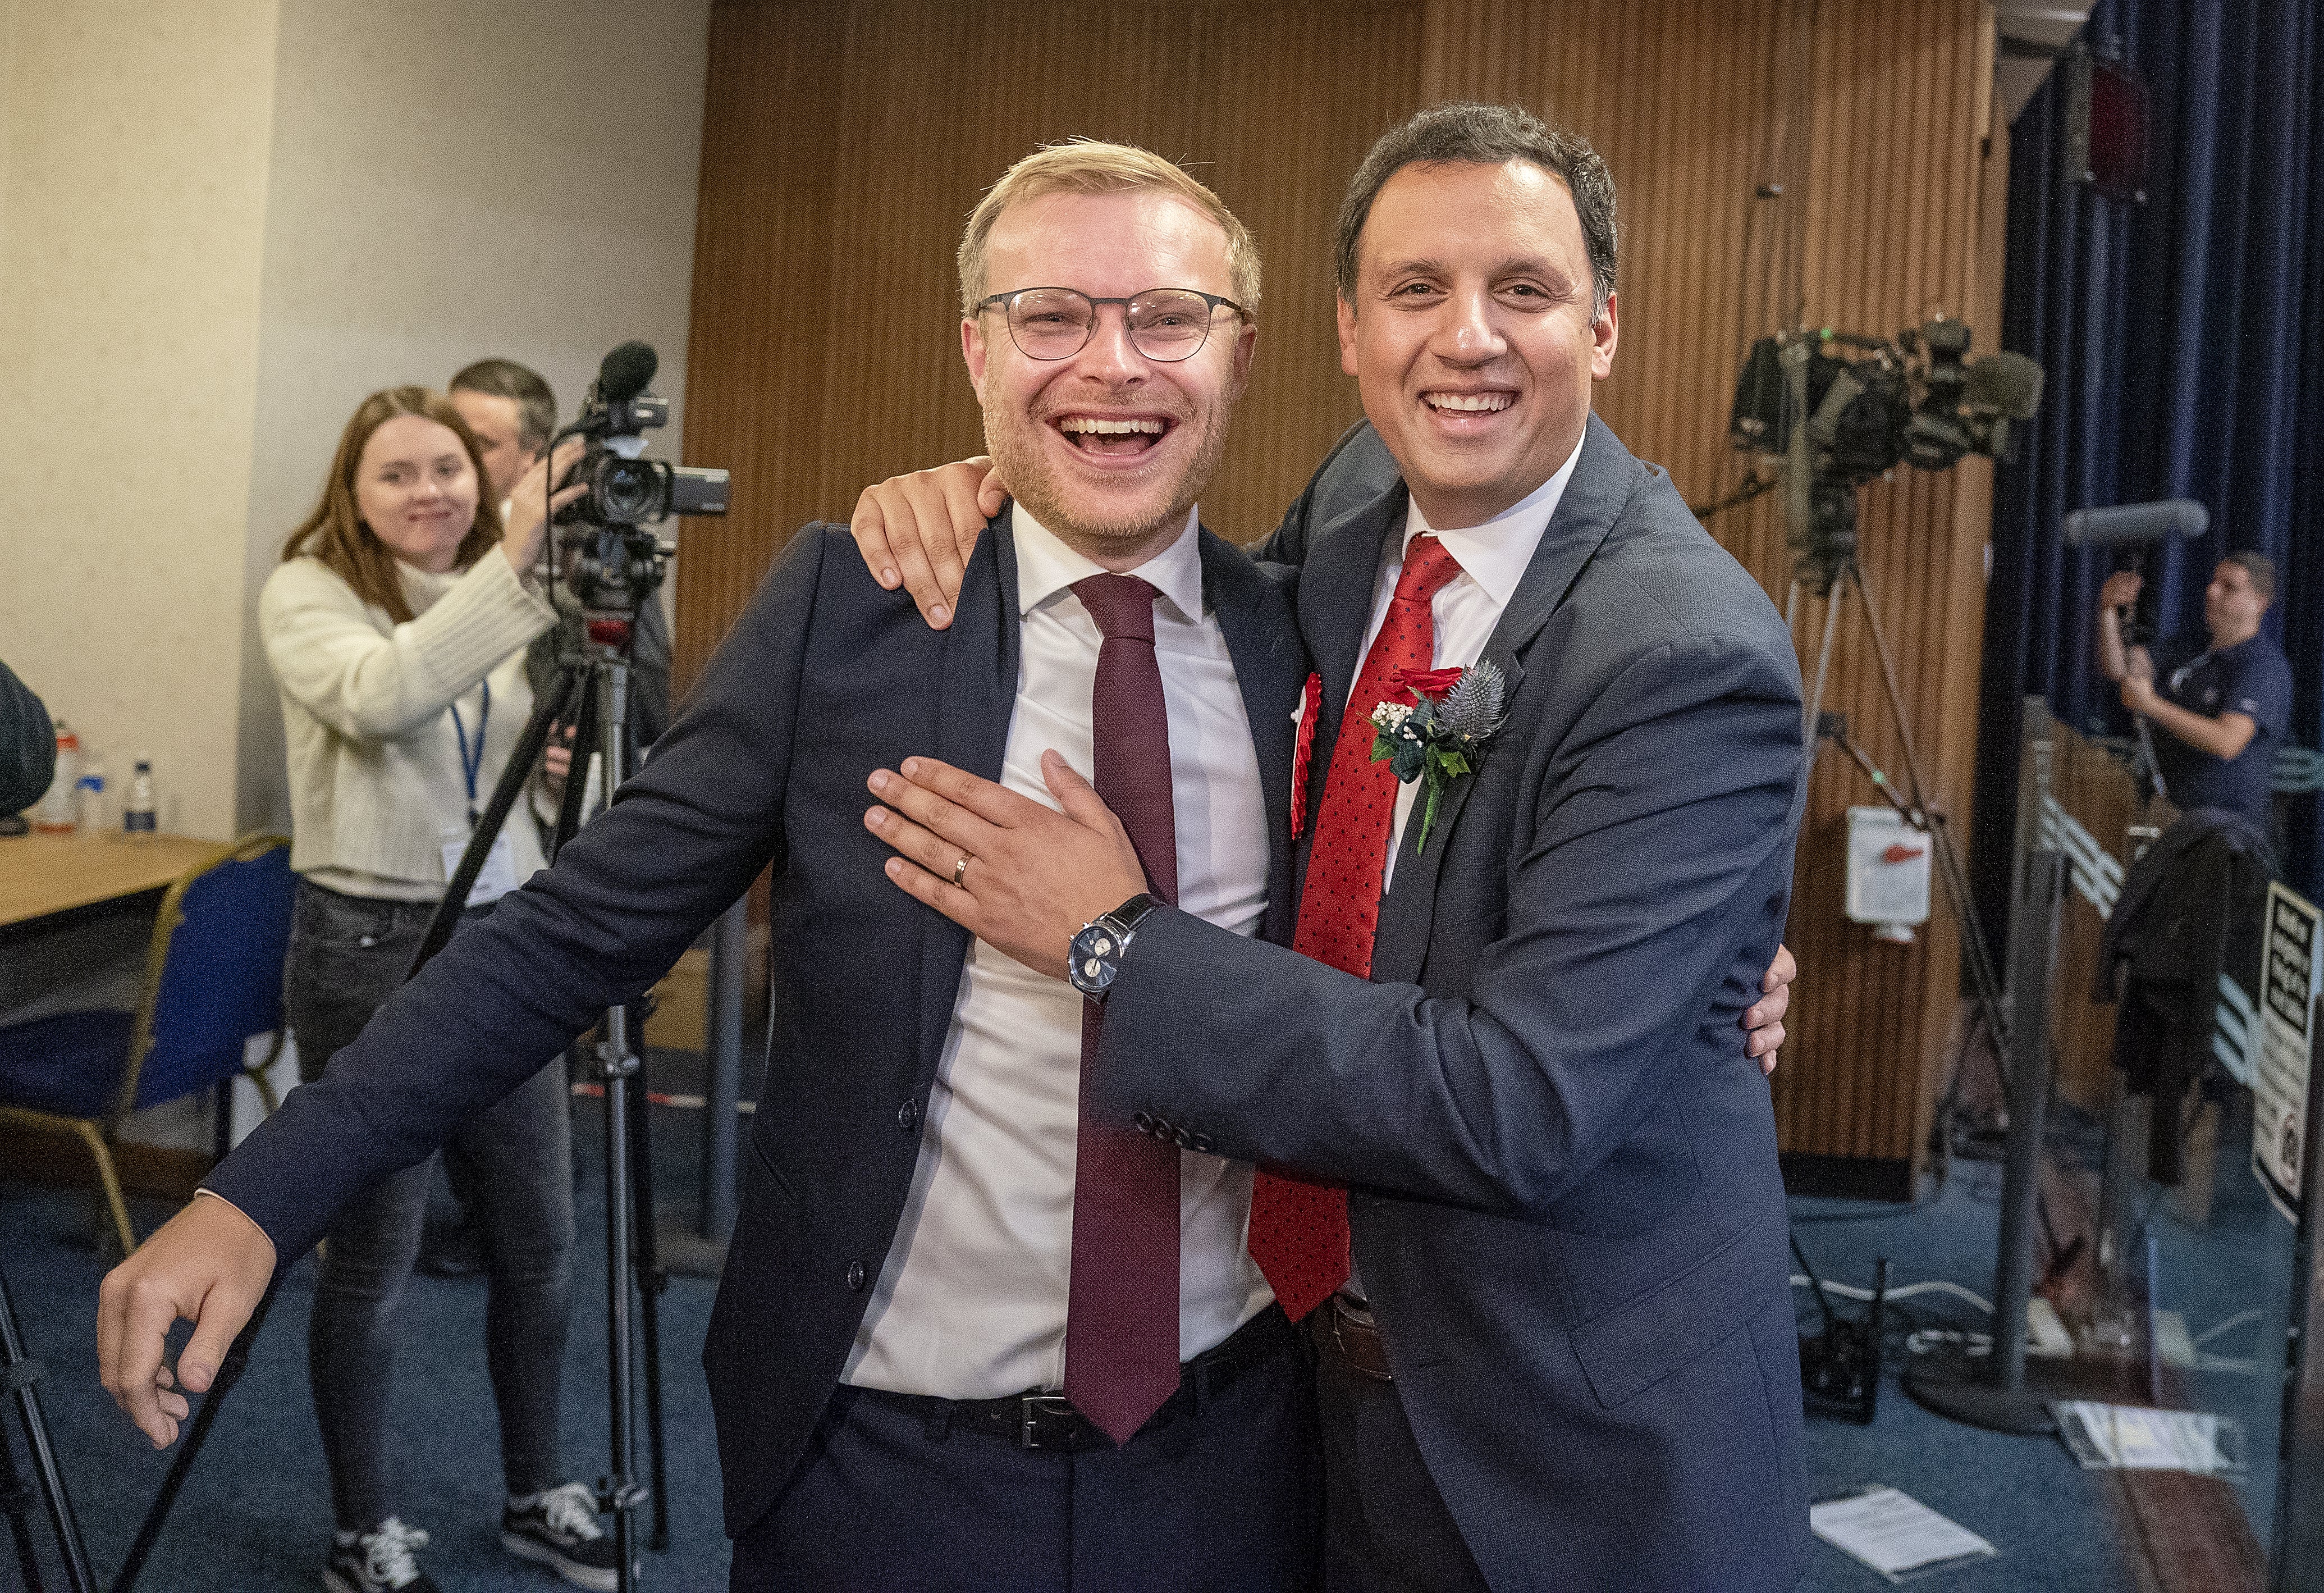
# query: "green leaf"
[[1428, 814]]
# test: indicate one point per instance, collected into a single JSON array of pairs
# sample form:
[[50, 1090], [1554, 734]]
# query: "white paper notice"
[[2133, 1438], [1893, 1532], [2293, 957]]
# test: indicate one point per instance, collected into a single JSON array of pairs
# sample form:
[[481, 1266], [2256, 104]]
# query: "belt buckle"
[[1037, 1412]]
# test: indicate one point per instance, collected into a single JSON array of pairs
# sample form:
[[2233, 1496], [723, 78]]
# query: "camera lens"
[[628, 492]]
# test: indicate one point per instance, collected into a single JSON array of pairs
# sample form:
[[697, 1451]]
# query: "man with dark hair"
[[2222, 700], [1561, 1353], [512, 411]]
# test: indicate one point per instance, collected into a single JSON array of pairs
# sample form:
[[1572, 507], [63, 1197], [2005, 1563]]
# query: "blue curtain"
[[2183, 340]]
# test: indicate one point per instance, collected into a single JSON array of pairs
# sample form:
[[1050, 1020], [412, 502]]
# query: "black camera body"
[[612, 561]]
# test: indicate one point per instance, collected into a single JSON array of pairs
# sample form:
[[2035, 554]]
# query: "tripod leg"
[[237, 1358], [645, 1263], [16, 1500], [51, 1481], [1813, 712]]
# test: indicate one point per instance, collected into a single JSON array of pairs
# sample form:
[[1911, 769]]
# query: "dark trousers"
[[1222, 1499], [348, 955], [1386, 1529]]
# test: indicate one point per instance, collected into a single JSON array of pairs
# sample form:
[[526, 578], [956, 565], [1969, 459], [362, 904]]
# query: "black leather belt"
[[1044, 1418]]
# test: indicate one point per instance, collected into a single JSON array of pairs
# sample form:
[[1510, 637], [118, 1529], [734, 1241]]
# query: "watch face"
[[1093, 952]]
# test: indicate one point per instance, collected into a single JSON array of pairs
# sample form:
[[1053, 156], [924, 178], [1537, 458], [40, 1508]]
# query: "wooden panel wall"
[[845, 142]]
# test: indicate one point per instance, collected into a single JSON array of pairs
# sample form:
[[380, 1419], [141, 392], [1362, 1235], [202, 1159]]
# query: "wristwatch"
[[1097, 950]]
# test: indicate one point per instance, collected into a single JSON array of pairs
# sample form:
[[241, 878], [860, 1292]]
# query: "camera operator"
[[28, 746], [396, 627], [2222, 701], [512, 411]]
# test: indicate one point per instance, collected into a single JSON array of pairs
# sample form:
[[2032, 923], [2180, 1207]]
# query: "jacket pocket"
[[1636, 1345]]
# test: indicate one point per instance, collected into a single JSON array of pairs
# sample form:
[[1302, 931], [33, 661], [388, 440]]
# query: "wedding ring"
[[959, 869]]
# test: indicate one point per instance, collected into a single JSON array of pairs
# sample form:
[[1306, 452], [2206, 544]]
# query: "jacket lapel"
[[1270, 669], [975, 693], [1603, 478]]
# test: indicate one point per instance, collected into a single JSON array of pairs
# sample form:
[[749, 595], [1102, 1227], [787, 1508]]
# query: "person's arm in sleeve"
[[28, 745], [329, 657], [1653, 865], [681, 841]]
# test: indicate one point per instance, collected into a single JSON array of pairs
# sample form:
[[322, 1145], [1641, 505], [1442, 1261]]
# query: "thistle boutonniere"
[[1439, 737]]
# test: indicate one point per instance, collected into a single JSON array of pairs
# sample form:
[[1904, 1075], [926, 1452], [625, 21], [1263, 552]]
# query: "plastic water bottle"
[[61, 807], [137, 812], [90, 791]]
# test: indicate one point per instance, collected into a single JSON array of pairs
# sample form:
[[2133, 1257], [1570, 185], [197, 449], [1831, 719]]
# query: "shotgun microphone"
[[2137, 522]]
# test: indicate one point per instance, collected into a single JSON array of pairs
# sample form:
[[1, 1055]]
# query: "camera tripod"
[[592, 693], [1832, 576], [18, 1375]]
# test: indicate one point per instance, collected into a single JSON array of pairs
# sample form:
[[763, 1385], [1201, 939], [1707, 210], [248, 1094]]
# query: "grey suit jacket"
[[1565, 1203]]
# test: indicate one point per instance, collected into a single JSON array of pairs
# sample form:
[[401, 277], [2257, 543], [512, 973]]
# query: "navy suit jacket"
[[1565, 1198], [824, 678]]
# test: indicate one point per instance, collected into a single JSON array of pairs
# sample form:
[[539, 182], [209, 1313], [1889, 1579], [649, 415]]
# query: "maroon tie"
[[1299, 1230], [1121, 1306]]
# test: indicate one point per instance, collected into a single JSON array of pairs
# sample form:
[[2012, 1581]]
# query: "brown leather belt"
[[1358, 1340]]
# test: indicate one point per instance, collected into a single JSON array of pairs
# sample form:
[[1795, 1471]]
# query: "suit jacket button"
[[856, 1276], [1145, 1122], [1200, 1142], [1185, 1142], [908, 1115]]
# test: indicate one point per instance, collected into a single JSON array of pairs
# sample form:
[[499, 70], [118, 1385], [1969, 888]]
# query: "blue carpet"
[[255, 1515]]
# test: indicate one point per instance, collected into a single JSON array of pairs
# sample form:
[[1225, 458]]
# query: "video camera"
[[1842, 409], [615, 559]]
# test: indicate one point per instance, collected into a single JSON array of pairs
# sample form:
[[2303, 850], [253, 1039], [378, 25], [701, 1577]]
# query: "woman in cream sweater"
[[396, 628]]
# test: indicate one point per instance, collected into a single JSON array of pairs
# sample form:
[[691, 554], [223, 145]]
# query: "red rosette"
[[1311, 698], [1424, 682]]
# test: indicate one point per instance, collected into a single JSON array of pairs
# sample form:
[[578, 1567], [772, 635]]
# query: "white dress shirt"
[[971, 1303]]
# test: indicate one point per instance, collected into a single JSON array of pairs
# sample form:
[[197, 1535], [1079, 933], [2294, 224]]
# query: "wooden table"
[[42, 876]]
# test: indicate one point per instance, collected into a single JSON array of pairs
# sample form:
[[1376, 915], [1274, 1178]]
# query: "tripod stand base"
[[1961, 1392]]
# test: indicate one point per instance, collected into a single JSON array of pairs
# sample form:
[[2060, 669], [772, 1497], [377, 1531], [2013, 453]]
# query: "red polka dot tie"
[[1121, 1296], [1299, 1229]]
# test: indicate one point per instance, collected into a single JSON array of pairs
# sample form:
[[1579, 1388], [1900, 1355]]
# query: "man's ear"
[[1347, 315], [1246, 345], [1602, 338], [973, 353]]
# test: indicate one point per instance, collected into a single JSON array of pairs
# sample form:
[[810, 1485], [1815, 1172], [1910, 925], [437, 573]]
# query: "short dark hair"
[[1486, 136], [536, 405], [2260, 568]]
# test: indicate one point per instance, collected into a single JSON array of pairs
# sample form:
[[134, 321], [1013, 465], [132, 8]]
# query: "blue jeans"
[[347, 955]]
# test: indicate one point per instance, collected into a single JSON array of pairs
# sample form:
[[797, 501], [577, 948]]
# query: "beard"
[[1136, 506]]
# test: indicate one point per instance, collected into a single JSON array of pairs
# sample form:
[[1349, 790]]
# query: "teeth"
[[1474, 401], [1108, 427]]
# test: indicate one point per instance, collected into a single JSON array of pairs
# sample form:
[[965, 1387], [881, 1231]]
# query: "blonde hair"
[[334, 531], [1085, 166]]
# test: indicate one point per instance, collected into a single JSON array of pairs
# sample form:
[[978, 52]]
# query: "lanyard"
[[473, 764]]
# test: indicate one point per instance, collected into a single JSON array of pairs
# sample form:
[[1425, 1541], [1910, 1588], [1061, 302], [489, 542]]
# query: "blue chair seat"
[[69, 1063]]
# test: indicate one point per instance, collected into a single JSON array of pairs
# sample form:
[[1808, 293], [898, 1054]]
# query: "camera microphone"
[[625, 372], [2137, 522]]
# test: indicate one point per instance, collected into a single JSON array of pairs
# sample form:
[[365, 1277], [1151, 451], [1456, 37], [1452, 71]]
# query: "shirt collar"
[[1495, 554], [1046, 566]]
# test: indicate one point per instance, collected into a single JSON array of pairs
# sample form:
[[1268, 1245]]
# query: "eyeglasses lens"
[[1053, 323]]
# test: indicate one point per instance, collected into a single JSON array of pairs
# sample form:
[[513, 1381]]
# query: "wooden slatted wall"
[[845, 142]]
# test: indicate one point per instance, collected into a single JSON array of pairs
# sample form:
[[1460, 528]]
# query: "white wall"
[[133, 145], [221, 225]]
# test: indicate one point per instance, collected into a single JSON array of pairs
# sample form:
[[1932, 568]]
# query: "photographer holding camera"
[[2222, 700], [396, 627]]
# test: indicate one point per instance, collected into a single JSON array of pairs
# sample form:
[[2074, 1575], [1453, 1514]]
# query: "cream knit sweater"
[[375, 780]]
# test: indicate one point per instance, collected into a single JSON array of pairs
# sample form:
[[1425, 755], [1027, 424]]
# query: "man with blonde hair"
[[967, 1338]]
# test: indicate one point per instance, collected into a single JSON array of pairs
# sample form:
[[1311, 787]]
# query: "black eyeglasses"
[[1168, 324]]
